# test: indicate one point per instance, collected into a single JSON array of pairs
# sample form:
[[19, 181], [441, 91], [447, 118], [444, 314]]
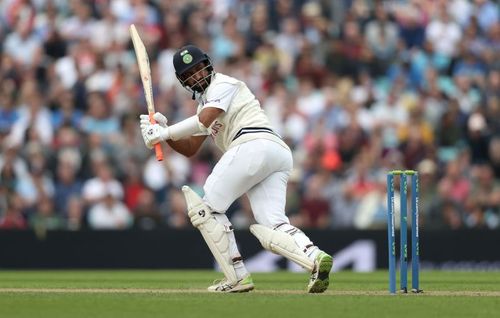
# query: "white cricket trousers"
[[260, 168]]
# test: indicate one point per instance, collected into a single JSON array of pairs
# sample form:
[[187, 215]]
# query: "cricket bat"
[[145, 71]]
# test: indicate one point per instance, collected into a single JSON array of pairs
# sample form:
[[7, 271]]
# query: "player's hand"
[[158, 117], [153, 133]]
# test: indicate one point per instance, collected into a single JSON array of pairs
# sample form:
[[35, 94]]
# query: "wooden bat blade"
[[145, 72]]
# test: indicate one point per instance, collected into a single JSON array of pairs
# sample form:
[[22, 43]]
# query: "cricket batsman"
[[255, 162]]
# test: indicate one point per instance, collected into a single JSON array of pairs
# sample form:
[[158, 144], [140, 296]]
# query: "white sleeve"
[[188, 127], [204, 132], [221, 96]]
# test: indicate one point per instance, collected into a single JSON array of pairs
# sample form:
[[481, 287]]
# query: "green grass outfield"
[[158, 293]]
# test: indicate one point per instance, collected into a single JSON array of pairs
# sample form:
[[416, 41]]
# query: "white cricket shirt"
[[241, 111]]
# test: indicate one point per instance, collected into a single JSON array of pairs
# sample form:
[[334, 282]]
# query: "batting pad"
[[281, 243], [215, 234]]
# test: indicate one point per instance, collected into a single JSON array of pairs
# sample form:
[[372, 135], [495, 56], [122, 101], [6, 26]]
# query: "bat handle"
[[158, 150]]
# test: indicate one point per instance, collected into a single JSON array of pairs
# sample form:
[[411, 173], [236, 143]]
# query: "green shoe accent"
[[243, 285], [246, 281], [320, 277]]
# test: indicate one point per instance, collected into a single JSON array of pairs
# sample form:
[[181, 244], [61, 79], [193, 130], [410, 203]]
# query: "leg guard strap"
[[281, 243]]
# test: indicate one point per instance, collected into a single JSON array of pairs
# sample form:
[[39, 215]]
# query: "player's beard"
[[200, 85]]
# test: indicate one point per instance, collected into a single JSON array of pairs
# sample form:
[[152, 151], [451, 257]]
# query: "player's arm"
[[190, 145], [187, 146], [185, 137], [208, 115]]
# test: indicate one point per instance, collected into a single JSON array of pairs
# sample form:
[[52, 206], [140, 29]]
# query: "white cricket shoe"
[[320, 276], [223, 286]]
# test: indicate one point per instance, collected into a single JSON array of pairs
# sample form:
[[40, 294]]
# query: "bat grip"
[[158, 150]]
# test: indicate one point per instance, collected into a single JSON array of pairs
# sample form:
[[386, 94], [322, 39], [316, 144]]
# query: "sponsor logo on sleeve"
[[216, 128], [212, 102]]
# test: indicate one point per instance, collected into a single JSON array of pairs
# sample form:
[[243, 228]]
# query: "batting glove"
[[158, 117], [153, 133]]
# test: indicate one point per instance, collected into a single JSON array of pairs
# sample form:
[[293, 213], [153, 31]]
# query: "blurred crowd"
[[355, 87]]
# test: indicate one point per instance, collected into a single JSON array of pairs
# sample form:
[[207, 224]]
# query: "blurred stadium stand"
[[355, 87]]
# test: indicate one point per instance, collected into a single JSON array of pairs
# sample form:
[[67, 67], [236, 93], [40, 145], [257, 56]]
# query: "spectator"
[[132, 185], [109, 213], [443, 33], [12, 168], [34, 117], [389, 115], [228, 43], [483, 205], [98, 119], [75, 219], [13, 218], [45, 218], [449, 131], [104, 182], [79, 25], [487, 14], [67, 185], [8, 113], [258, 26], [352, 50], [23, 46], [478, 137], [362, 186], [65, 112], [177, 217], [294, 198], [428, 194], [451, 216], [416, 138], [315, 208], [146, 212], [290, 40], [412, 21], [492, 87], [382, 37], [37, 184], [494, 155], [461, 11], [54, 47], [454, 187], [107, 31]]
